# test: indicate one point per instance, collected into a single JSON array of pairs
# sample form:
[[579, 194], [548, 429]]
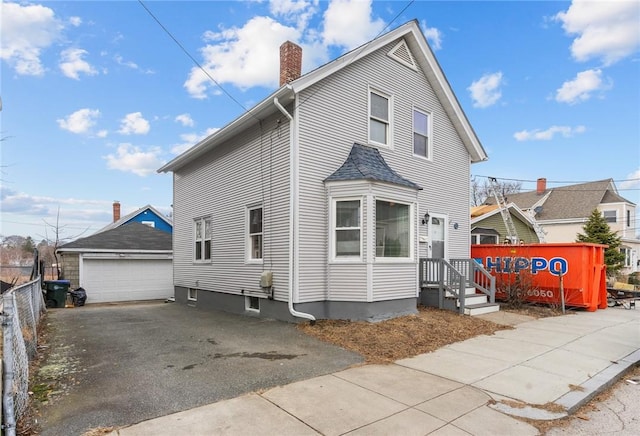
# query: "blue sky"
[[97, 96]]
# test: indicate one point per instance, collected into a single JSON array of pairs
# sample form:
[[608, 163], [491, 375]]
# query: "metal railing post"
[[9, 426]]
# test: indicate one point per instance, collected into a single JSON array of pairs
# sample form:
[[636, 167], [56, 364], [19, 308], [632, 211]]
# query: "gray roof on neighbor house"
[[133, 236], [566, 202], [366, 163]]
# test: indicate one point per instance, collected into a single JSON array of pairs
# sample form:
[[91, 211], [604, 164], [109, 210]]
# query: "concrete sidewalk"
[[460, 389]]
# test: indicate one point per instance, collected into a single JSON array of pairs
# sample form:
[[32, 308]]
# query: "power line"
[[554, 181], [195, 61]]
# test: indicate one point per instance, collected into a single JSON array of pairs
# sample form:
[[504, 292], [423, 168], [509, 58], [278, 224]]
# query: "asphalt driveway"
[[126, 363]]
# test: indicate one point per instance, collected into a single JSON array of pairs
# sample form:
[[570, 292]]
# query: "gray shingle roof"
[[131, 236], [366, 163], [571, 201]]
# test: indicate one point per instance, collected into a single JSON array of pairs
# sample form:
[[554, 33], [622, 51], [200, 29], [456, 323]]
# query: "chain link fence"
[[22, 308]]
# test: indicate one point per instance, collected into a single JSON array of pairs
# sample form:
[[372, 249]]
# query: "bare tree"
[[58, 240], [481, 191]]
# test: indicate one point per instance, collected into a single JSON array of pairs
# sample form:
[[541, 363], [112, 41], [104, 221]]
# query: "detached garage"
[[131, 262]]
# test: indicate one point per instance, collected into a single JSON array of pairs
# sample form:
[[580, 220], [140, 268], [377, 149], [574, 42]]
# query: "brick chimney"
[[542, 186], [116, 211], [290, 62]]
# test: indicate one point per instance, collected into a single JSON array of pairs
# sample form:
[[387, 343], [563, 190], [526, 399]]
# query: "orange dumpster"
[[576, 269]]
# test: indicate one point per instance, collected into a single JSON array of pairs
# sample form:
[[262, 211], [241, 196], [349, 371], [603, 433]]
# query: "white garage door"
[[111, 280]]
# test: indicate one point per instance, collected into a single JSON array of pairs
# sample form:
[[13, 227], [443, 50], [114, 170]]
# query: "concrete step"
[[473, 299], [480, 309], [467, 291]]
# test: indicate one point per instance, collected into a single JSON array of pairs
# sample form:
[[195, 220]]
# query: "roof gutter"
[[293, 205]]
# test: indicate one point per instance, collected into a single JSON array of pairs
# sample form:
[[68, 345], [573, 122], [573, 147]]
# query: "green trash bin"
[[56, 292]]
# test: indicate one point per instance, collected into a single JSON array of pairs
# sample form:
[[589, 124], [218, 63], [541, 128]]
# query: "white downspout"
[[293, 201]]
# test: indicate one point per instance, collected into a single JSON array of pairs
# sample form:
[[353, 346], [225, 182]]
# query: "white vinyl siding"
[[247, 170], [341, 102]]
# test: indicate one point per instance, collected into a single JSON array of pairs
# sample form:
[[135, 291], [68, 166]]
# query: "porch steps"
[[474, 303]]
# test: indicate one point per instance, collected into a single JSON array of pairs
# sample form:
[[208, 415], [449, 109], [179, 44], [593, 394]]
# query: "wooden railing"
[[454, 276]]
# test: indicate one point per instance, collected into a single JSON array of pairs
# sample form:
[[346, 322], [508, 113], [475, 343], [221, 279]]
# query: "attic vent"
[[402, 54]]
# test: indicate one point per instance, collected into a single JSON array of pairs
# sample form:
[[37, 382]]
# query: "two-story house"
[[563, 211], [320, 201]]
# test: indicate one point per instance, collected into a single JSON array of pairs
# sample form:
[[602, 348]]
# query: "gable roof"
[[422, 55], [567, 202], [480, 213], [126, 218], [133, 236], [366, 163]]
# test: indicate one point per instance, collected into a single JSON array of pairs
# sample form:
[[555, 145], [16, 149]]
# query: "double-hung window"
[[610, 216], [393, 229], [202, 239], [347, 229], [379, 118], [255, 233], [421, 134]]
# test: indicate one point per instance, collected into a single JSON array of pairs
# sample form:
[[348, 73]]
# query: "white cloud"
[[72, 64], [245, 57], [102, 134], [433, 35], [608, 30], [134, 124], [298, 11], [546, 135], [129, 158], [191, 139], [486, 90], [185, 120], [633, 180], [581, 88], [80, 121], [348, 23], [26, 31], [75, 21]]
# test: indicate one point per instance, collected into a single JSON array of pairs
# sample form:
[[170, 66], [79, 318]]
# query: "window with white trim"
[[347, 229], [379, 118], [393, 229], [254, 233], [627, 256], [479, 238], [421, 133], [628, 218], [202, 239], [610, 216]]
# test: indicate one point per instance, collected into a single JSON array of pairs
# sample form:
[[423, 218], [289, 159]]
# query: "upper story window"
[[393, 229], [202, 239], [380, 118], [610, 216], [421, 134], [347, 229], [254, 234], [628, 218]]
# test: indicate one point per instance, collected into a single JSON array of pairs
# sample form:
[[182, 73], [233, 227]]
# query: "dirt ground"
[[407, 336]]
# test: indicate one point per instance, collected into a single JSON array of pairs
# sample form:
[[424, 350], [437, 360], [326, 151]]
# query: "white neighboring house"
[[321, 200], [563, 211]]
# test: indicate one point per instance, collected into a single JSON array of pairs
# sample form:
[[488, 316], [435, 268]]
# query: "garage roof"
[[133, 236]]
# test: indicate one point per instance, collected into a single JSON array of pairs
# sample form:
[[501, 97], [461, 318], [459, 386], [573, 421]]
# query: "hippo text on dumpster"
[[555, 266]]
